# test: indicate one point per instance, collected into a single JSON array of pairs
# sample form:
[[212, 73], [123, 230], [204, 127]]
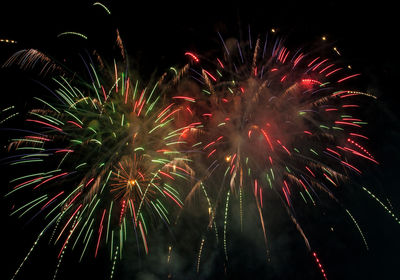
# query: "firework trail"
[[100, 157], [275, 121]]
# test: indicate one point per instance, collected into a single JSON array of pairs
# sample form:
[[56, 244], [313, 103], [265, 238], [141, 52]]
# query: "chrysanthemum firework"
[[99, 156], [276, 121]]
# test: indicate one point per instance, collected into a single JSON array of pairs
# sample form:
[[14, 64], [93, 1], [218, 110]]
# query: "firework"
[[99, 156], [276, 121]]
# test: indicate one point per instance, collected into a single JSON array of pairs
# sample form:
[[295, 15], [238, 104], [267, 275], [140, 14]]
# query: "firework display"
[[102, 159]]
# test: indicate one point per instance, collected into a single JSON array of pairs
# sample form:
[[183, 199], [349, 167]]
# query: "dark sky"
[[157, 36]]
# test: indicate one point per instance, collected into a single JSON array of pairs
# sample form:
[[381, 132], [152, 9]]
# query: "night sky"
[[156, 36]]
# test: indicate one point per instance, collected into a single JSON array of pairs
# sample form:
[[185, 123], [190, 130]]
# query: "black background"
[[156, 35]]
